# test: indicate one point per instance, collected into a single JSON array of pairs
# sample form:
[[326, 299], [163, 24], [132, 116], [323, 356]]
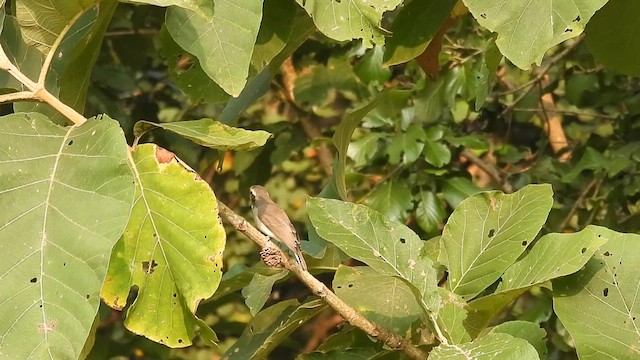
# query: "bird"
[[272, 221]]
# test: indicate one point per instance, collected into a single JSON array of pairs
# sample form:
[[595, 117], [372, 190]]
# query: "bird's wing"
[[280, 225]]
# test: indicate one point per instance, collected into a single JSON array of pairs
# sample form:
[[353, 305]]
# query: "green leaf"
[[42, 23], [525, 330], [491, 58], [207, 334], [203, 8], [223, 42], [363, 149], [430, 212], [526, 30], [239, 276], [275, 30], [492, 346], [485, 235], [354, 19], [370, 70], [210, 133], [258, 291], [451, 316], [271, 327], [414, 28], [367, 235], [553, 256], [407, 145], [599, 304], [65, 202], [436, 153], [193, 81], [171, 249], [456, 189], [392, 198], [70, 71], [612, 36], [302, 28], [342, 138], [25, 57], [391, 303]]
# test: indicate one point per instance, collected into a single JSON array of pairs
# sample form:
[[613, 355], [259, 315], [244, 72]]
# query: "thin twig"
[[489, 169], [583, 195], [393, 340], [569, 112], [20, 95]]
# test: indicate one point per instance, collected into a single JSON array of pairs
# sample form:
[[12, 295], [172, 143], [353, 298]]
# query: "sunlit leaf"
[[65, 198], [210, 133], [526, 30], [487, 233], [367, 235], [492, 346], [599, 304], [354, 19], [171, 249], [392, 303], [223, 42], [451, 316]]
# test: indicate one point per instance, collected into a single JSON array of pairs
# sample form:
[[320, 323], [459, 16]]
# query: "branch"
[[37, 91], [20, 95], [490, 170], [393, 340]]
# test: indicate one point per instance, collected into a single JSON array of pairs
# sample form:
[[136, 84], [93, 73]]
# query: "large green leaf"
[[487, 233], [275, 31], [65, 198], [525, 330], [612, 36], [599, 304], [392, 198], [223, 43], [451, 316], [553, 256], [367, 235], [527, 29], [342, 138], [492, 346], [171, 249], [271, 327], [25, 57], [413, 29], [42, 22], [391, 303], [210, 133], [353, 19]]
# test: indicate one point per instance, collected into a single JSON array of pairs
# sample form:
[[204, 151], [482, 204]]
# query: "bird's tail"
[[298, 254]]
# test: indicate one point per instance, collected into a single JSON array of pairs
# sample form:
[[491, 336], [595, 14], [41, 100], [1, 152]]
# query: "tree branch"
[[489, 169], [393, 340]]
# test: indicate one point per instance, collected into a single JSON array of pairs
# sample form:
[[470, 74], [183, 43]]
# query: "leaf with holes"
[[599, 304], [223, 42], [527, 29], [394, 305], [487, 233], [389, 247], [353, 19], [210, 133], [171, 249], [492, 346], [65, 198]]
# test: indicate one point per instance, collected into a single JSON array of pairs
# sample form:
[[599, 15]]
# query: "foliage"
[[452, 194]]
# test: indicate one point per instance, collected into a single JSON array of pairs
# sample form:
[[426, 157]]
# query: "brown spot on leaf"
[[149, 267], [49, 326], [164, 156]]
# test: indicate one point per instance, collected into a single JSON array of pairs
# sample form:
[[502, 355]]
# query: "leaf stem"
[[377, 331]]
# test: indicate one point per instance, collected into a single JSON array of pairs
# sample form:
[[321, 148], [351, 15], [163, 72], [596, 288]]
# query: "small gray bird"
[[274, 222]]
